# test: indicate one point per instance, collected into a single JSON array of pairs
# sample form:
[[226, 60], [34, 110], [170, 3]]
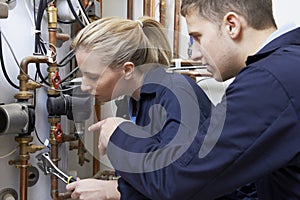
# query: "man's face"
[[213, 46]]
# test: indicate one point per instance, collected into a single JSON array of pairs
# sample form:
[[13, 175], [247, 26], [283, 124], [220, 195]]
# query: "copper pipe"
[[52, 31], [149, 8], [96, 163], [162, 12], [85, 2], [55, 159], [52, 91], [24, 157], [54, 154], [129, 9], [62, 36], [22, 163], [176, 29], [23, 180], [31, 59], [54, 181], [23, 93]]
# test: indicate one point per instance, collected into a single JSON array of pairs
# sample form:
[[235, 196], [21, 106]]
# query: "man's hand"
[[106, 128]]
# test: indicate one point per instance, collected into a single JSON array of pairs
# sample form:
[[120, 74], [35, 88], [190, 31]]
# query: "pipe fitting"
[[16, 118], [52, 16]]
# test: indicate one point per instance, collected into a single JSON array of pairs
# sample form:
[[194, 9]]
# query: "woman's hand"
[[106, 128], [94, 189]]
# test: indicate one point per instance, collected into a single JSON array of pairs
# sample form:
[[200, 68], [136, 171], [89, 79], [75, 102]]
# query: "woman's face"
[[99, 80]]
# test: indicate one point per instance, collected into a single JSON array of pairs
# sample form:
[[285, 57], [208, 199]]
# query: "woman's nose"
[[85, 87]]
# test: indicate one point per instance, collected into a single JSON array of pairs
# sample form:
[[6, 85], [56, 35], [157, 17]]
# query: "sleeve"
[[241, 141]]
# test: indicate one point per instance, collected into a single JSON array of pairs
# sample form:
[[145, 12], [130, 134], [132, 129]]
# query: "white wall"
[[286, 11]]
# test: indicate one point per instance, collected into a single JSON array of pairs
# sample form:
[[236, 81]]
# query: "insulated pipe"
[[176, 29]]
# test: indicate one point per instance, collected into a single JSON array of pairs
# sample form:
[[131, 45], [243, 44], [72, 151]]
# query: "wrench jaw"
[[42, 164], [43, 169], [48, 167]]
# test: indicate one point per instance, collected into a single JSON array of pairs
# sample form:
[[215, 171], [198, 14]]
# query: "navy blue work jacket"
[[252, 135], [166, 103]]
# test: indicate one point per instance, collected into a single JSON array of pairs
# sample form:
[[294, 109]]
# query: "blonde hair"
[[119, 40]]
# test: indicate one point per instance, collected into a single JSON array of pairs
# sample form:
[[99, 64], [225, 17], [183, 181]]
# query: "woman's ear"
[[128, 69], [233, 24]]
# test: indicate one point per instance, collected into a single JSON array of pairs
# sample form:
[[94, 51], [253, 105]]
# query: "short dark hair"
[[257, 13]]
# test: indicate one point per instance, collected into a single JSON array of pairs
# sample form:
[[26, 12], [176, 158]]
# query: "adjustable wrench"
[[48, 167]]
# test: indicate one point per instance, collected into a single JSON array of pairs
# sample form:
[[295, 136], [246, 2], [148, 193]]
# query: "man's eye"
[[197, 39]]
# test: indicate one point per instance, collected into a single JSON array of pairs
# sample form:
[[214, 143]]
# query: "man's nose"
[[196, 54]]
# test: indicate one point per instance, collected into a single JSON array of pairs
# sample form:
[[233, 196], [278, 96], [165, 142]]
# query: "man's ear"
[[128, 69], [233, 24]]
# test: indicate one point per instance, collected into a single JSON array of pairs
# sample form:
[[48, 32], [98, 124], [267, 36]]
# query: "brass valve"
[[52, 16]]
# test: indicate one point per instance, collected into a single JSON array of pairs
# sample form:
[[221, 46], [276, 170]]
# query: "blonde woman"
[[124, 57]]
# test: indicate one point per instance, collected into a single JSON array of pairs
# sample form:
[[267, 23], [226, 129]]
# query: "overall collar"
[[280, 38]]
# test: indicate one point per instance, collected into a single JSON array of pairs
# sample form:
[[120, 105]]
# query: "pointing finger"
[[96, 126]]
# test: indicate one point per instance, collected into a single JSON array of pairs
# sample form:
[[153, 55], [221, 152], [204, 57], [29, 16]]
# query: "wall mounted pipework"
[[71, 105], [56, 133], [53, 75], [23, 78], [24, 150], [19, 119]]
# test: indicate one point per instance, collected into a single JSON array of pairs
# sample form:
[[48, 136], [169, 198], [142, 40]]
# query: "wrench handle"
[[71, 179]]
